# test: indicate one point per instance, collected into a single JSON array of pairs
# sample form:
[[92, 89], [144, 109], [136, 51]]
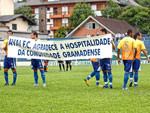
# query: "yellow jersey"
[[140, 46], [127, 44], [94, 59], [5, 45]]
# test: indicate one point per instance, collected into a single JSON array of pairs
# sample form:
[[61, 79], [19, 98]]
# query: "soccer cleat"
[[125, 88], [135, 85], [86, 82], [100, 86], [13, 84], [110, 87], [105, 87], [35, 85], [130, 85], [6, 84], [59, 70], [44, 85]]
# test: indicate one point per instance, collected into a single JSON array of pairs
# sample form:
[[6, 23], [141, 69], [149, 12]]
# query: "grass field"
[[66, 92]]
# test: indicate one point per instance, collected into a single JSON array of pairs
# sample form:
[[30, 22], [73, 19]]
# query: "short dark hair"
[[104, 30], [135, 36], [129, 31], [10, 31], [35, 33]]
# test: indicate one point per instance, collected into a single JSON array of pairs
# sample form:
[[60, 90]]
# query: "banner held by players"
[[71, 49]]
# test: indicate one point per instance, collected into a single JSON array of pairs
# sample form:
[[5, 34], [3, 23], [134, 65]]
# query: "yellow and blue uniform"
[[8, 62], [96, 72], [127, 45], [136, 62]]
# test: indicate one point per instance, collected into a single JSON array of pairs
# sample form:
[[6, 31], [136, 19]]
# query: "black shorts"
[[60, 62], [68, 62]]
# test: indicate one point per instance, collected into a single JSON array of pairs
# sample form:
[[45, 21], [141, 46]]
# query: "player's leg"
[[63, 65], [13, 67], [34, 67], [6, 67], [103, 66], [70, 64], [108, 68], [127, 64], [67, 64], [131, 74], [136, 69], [91, 75], [40, 66]]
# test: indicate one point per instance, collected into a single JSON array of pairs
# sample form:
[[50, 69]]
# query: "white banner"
[[68, 49]]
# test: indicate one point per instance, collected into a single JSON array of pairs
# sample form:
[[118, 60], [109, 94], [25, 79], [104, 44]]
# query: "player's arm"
[[113, 45], [145, 53], [118, 56], [5, 44]]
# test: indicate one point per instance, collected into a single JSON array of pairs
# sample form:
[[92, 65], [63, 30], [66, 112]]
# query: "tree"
[[80, 13], [62, 32], [139, 17], [145, 3], [26, 11], [112, 10]]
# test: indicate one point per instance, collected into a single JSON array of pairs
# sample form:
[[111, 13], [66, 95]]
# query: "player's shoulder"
[[5, 41]]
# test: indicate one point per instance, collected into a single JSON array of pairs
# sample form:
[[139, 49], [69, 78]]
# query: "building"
[[6, 7], [92, 27], [16, 22], [52, 14]]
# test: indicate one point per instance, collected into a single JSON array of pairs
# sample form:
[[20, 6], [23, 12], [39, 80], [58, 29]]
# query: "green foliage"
[[112, 10], [26, 11], [139, 17], [66, 92], [80, 13], [145, 3], [62, 32]]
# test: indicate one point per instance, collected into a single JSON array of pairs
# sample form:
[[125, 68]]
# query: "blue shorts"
[[106, 64], [136, 65], [127, 65], [9, 63], [37, 63], [96, 66]]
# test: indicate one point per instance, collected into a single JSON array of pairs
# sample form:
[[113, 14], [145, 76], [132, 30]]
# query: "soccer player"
[[9, 63], [136, 63], [129, 49], [68, 64], [61, 62], [106, 65], [96, 72], [37, 64]]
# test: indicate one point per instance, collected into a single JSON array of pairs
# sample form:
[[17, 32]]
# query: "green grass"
[[66, 92]]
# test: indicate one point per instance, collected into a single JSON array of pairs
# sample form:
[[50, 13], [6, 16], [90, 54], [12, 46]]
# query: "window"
[[55, 10], [92, 25], [48, 20], [14, 26], [48, 9]]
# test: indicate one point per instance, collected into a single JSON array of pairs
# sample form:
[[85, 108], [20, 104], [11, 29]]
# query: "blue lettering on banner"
[[21, 52], [14, 42], [61, 46]]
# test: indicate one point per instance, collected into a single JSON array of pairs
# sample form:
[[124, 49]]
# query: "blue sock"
[[97, 78], [131, 77], [14, 77], [36, 77], [91, 75], [6, 77], [105, 78], [110, 77], [136, 78], [43, 76], [125, 80]]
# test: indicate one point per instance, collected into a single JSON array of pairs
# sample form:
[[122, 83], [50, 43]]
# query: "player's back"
[[140, 46], [127, 44]]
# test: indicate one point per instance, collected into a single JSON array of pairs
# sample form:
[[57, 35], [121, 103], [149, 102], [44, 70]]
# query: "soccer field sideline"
[[66, 92]]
